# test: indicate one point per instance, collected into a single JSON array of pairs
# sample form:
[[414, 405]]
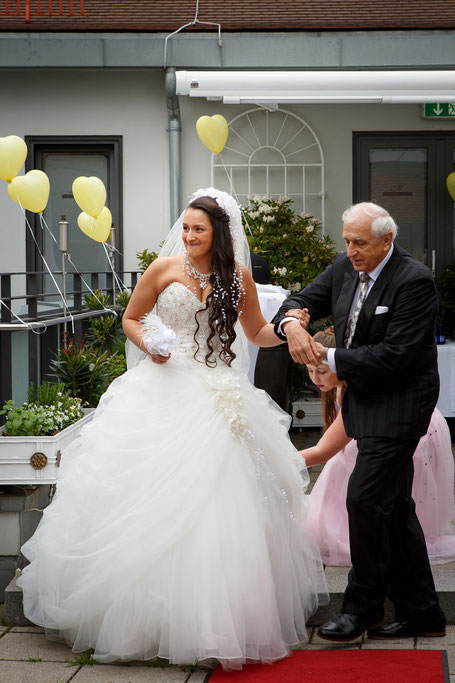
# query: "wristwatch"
[[324, 360]]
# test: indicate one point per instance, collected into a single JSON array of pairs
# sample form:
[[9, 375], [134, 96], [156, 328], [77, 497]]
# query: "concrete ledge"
[[14, 609], [337, 578]]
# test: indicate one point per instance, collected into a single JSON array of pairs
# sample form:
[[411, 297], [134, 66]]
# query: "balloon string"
[[236, 195], [120, 284], [108, 310], [33, 329], [44, 261], [45, 225], [68, 257]]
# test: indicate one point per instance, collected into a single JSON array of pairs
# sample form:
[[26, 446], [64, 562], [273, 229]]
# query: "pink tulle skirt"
[[432, 491]]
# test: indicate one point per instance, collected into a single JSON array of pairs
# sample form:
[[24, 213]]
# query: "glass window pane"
[[398, 182]]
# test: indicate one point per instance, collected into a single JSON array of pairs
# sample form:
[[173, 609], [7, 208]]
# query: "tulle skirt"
[[177, 526], [432, 492]]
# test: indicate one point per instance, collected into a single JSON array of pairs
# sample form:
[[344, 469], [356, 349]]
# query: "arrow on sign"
[[438, 110]]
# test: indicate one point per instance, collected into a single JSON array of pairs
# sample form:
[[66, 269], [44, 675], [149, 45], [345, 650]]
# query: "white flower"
[[267, 219], [295, 287], [157, 337], [309, 228], [228, 398], [281, 271], [254, 214], [283, 198], [265, 208], [238, 425]]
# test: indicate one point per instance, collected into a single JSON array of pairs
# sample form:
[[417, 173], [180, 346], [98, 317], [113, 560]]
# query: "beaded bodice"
[[176, 306]]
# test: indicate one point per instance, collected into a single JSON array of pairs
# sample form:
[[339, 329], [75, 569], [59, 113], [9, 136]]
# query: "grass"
[[86, 659]]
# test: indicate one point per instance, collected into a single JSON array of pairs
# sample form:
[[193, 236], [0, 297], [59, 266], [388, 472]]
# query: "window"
[[406, 174], [272, 154]]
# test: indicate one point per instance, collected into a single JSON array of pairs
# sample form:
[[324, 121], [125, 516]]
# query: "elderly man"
[[384, 305]]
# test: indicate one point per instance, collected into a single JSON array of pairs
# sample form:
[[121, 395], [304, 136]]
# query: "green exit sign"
[[440, 111]]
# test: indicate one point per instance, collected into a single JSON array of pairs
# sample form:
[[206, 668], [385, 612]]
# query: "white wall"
[[132, 103], [332, 124], [127, 103]]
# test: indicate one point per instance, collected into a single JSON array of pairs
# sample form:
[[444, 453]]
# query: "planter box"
[[36, 459], [306, 412]]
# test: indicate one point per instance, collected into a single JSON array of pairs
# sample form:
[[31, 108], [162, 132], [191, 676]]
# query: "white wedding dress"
[[176, 527]]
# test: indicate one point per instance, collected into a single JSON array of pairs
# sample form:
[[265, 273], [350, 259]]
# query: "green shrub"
[[48, 410], [84, 372], [145, 258], [292, 245]]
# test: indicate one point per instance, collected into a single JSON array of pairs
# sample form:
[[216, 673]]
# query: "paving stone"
[[21, 646], [341, 646], [438, 643], [107, 673], [198, 677], [26, 629], [36, 672], [450, 656], [399, 644], [324, 645]]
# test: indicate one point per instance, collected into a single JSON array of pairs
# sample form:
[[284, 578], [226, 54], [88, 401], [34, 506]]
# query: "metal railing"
[[43, 8], [43, 320]]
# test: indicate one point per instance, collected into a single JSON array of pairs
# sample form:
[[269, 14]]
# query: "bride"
[[176, 530]]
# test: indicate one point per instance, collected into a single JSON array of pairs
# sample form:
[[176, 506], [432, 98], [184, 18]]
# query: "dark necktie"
[[352, 322]]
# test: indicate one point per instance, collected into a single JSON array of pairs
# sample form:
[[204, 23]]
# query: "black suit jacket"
[[391, 368]]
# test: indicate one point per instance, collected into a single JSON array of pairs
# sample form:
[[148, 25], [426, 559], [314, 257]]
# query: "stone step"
[[337, 578]]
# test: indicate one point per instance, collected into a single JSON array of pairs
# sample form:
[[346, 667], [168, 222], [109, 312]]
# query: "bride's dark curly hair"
[[221, 302]]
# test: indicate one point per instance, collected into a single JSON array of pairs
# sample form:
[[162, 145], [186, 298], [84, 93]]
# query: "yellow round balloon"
[[13, 152], [90, 194], [30, 190], [96, 228], [213, 131], [450, 181]]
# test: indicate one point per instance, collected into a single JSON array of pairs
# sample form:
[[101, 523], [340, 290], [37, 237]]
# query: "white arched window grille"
[[272, 154]]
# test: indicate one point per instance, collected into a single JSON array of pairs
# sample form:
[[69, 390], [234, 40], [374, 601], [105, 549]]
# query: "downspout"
[[174, 129]]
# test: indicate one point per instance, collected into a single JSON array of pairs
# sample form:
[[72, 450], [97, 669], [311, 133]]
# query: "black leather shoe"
[[346, 627], [406, 629]]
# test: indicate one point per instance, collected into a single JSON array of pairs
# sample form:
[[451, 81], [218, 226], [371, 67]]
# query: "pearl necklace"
[[195, 274]]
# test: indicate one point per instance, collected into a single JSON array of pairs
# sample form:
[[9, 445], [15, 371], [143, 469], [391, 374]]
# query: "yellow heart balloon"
[[450, 181], [213, 131], [30, 190], [90, 194], [96, 228], [13, 152]]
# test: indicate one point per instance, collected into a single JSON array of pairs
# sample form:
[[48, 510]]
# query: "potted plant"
[[87, 366], [36, 434], [291, 244]]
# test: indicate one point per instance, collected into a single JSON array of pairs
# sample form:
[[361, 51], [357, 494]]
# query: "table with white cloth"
[[270, 299], [446, 366]]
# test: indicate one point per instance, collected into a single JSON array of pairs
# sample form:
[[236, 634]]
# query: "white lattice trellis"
[[272, 154]]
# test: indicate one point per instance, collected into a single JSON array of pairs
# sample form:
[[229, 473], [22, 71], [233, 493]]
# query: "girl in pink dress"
[[433, 477]]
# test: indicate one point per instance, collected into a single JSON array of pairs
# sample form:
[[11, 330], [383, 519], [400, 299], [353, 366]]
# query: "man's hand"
[[302, 346], [301, 314]]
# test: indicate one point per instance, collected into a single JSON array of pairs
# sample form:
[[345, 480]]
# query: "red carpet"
[[345, 666]]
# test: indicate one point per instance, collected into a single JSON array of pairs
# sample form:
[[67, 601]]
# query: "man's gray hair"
[[382, 222]]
